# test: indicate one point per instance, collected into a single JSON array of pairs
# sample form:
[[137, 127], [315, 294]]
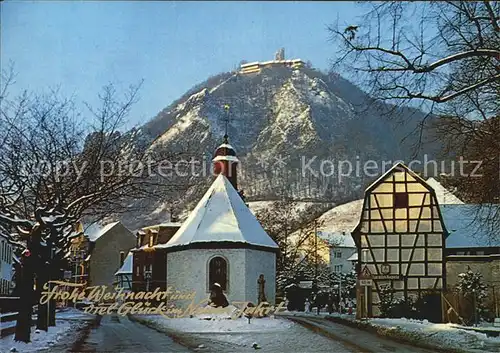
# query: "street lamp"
[[365, 261]]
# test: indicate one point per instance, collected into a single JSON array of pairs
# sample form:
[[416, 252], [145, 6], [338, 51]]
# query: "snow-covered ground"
[[237, 335], [69, 321], [447, 336], [441, 335], [74, 314], [40, 340], [221, 325]]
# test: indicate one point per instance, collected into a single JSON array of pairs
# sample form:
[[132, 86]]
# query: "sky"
[[80, 46]]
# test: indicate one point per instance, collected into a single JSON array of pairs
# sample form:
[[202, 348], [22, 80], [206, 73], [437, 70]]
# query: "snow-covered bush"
[[391, 307], [471, 286], [428, 306]]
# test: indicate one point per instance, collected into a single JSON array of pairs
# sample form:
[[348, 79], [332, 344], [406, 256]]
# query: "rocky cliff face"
[[290, 127]]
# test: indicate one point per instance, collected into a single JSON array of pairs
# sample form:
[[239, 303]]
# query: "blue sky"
[[81, 46]]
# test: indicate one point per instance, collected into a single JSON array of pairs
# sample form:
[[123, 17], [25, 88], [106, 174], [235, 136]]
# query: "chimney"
[[122, 258]]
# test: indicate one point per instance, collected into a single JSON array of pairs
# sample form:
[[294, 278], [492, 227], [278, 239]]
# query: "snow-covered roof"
[[226, 158], [127, 267], [342, 218], [227, 145], [345, 217], [221, 216], [444, 196], [465, 226], [353, 257], [93, 236], [343, 240], [164, 224]]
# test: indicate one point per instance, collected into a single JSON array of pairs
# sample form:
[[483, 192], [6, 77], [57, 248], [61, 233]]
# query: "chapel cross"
[[226, 119]]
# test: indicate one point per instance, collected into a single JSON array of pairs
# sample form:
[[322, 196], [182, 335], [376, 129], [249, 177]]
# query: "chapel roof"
[[221, 216]]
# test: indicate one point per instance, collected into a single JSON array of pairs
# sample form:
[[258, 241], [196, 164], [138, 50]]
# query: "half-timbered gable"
[[401, 236]]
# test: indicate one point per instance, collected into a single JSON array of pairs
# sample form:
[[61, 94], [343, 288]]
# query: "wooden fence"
[[459, 309], [8, 322]]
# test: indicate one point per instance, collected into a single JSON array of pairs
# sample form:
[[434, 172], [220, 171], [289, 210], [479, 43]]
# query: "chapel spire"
[[225, 160]]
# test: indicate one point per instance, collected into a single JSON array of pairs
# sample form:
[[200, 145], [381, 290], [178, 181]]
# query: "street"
[[356, 340], [306, 334], [119, 334]]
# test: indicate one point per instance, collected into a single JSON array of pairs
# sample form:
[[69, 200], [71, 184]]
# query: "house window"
[[400, 200], [217, 272], [138, 271], [337, 268], [338, 254]]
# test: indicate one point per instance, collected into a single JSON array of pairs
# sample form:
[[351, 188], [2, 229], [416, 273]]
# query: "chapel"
[[222, 242]]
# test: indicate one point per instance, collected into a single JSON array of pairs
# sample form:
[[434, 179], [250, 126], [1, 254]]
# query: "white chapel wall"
[[187, 271]]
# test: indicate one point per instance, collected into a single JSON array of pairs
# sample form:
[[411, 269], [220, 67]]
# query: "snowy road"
[[354, 339], [302, 334], [119, 334], [294, 339]]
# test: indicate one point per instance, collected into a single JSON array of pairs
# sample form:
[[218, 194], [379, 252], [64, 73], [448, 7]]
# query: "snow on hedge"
[[441, 335]]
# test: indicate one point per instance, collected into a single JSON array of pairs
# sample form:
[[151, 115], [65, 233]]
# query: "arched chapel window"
[[217, 272]]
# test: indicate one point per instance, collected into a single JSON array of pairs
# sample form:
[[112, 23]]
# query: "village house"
[[470, 246], [414, 236], [107, 249], [149, 270], [400, 239]]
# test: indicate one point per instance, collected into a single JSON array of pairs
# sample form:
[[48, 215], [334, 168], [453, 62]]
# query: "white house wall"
[[346, 252], [6, 252]]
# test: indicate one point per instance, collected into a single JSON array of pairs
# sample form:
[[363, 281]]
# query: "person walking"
[[330, 303]]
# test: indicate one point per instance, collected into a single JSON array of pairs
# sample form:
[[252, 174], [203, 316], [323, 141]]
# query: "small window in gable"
[[400, 200]]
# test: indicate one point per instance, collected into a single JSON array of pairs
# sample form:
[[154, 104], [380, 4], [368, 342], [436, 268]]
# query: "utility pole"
[[340, 292], [316, 263], [475, 307]]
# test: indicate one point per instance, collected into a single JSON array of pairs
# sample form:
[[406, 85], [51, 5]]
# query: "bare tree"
[[443, 57], [300, 251], [57, 167]]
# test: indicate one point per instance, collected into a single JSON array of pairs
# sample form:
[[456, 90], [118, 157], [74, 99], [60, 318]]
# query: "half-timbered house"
[[400, 239]]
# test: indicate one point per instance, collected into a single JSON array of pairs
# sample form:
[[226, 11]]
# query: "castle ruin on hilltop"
[[279, 60]]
